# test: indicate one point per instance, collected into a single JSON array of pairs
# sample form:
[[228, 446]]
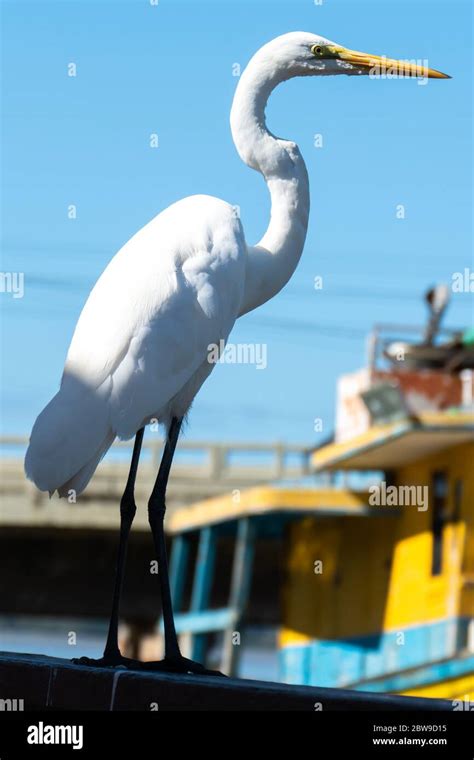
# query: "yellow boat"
[[377, 591]]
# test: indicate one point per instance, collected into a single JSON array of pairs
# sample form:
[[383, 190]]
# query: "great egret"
[[140, 347]]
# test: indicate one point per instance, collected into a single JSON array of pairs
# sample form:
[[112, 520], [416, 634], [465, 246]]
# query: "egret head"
[[305, 54], [299, 54]]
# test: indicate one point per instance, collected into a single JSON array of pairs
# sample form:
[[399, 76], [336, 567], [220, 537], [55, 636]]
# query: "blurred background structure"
[[348, 565]]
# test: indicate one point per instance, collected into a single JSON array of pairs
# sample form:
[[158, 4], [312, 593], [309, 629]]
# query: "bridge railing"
[[212, 466]]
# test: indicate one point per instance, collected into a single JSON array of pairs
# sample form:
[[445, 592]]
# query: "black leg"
[[112, 655], [173, 660], [127, 513], [156, 516]]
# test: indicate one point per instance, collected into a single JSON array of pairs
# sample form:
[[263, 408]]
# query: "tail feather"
[[79, 481], [69, 438]]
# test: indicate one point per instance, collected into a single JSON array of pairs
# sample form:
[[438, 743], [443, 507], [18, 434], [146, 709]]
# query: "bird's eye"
[[317, 50]]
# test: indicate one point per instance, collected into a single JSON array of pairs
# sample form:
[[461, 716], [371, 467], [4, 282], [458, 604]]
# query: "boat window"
[[439, 488]]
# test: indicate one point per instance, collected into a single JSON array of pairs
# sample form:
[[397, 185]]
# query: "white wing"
[[141, 343]]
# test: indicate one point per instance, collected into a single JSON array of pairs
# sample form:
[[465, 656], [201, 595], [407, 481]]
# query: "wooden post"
[[280, 461], [239, 590], [217, 462], [178, 567], [203, 575], [156, 449]]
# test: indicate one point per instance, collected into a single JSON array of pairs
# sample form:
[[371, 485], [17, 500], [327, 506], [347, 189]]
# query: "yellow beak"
[[378, 66]]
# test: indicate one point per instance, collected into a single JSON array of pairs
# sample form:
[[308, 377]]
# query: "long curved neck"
[[273, 260]]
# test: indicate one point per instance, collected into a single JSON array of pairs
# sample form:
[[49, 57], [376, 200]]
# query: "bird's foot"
[[179, 664], [108, 661]]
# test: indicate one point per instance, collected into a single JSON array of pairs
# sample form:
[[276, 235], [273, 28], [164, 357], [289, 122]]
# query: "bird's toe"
[[179, 665]]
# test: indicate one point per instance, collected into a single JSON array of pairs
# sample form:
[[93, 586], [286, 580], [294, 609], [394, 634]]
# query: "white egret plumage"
[[140, 347]]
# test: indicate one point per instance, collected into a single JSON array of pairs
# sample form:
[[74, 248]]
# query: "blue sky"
[[167, 69]]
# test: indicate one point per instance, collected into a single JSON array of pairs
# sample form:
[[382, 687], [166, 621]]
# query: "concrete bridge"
[[58, 558], [201, 470]]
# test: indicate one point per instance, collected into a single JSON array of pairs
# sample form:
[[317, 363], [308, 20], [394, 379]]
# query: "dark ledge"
[[55, 684]]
